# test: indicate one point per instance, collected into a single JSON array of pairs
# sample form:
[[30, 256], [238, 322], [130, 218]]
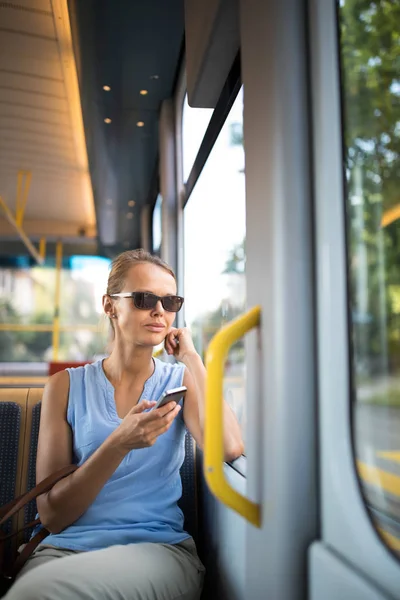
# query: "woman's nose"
[[158, 309]]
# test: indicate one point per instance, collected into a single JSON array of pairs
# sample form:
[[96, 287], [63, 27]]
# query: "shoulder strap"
[[44, 486], [27, 551]]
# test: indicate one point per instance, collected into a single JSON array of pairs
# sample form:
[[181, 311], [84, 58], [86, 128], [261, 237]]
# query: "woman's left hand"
[[179, 343]]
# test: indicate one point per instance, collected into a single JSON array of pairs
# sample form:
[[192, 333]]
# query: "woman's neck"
[[129, 365]]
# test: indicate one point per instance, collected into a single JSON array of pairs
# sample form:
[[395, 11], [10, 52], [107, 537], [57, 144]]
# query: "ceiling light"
[[129, 215], [131, 203], [106, 88], [107, 120], [143, 92], [154, 77], [140, 124]]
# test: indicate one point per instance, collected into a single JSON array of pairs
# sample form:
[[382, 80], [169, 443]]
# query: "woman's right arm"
[[72, 496]]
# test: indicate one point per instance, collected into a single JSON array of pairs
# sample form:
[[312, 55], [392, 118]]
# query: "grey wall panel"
[[330, 579]]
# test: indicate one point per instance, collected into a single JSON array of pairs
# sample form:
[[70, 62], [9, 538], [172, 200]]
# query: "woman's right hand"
[[141, 429]]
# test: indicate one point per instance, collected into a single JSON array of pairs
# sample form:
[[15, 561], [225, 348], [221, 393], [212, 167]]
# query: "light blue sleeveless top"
[[139, 502]]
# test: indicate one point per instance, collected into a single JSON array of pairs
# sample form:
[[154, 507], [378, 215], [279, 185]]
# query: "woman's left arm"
[[194, 405]]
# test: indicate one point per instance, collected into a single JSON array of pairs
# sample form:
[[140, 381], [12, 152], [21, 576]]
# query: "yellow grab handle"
[[213, 436]]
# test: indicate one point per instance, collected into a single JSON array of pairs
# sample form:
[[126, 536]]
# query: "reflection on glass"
[[83, 344], [82, 288], [25, 346], [194, 124], [25, 296], [157, 226], [27, 307], [215, 230], [370, 61]]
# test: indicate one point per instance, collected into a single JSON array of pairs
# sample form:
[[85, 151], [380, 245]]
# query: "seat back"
[[29, 467], [13, 408], [188, 501]]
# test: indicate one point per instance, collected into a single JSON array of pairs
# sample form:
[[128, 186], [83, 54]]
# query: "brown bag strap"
[[27, 551], [14, 533], [6, 507], [44, 486], [25, 554]]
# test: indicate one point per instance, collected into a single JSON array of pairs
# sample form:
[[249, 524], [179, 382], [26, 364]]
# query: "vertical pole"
[[42, 248], [56, 321], [145, 228], [168, 184]]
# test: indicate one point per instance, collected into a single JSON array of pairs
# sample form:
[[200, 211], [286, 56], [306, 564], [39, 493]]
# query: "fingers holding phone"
[[140, 429], [173, 395]]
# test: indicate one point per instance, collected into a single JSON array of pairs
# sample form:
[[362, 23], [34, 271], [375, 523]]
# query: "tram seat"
[[56, 366], [19, 429]]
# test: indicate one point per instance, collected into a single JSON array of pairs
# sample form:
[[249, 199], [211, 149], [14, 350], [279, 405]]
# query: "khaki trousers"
[[131, 572]]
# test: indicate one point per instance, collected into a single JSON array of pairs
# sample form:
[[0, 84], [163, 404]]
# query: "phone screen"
[[171, 395]]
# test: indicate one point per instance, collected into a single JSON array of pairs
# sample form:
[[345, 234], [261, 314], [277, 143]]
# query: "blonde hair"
[[125, 261]]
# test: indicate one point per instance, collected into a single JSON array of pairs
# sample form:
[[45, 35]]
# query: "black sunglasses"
[[147, 301]]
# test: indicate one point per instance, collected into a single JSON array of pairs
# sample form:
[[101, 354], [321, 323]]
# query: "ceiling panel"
[[28, 64], [8, 175], [27, 114], [13, 135], [17, 146], [26, 98], [35, 22], [41, 127], [19, 45], [33, 5], [39, 117], [29, 160], [44, 201], [35, 84]]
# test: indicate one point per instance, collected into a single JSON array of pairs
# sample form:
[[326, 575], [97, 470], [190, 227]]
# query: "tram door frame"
[[282, 372], [350, 561]]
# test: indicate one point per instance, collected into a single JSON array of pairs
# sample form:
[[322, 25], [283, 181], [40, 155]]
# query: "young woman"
[[115, 523]]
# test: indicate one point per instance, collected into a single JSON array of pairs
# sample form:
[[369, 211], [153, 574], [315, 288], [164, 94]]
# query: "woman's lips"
[[156, 328]]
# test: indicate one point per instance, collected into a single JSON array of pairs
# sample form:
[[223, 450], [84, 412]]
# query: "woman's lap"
[[133, 572]]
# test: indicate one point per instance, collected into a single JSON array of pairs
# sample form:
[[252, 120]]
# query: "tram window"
[[194, 124], [370, 65], [22, 317], [81, 310], [27, 311], [214, 249], [157, 226]]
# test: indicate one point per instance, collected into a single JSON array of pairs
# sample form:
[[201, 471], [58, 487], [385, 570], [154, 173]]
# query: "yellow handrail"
[[213, 436]]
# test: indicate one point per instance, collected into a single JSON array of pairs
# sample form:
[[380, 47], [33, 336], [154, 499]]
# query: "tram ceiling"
[[128, 54], [44, 174], [85, 177]]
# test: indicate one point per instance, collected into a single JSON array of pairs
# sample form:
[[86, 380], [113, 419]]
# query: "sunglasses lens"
[[144, 301], [172, 303], [147, 301]]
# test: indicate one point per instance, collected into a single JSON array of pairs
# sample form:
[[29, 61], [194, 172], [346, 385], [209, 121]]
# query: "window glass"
[[27, 311], [370, 63], [194, 124], [215, 231], [157, 225]]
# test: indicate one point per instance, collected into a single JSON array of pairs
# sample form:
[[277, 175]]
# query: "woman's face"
[[136, 326]]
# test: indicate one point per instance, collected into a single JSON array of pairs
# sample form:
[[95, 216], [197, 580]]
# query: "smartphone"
[[175, 394]]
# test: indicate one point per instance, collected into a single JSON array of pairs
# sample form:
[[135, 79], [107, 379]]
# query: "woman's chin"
[[154, 338]]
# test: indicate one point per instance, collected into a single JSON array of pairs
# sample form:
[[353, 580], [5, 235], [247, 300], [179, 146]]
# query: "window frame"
[[222, 109], [343, 511], [225, 102]]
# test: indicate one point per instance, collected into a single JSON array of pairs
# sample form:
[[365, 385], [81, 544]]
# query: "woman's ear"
[[107, 305]]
